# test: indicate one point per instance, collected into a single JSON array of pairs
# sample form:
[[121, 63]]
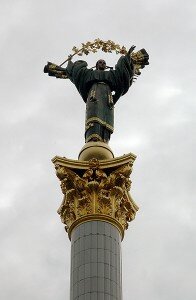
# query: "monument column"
[[97, 206], [96, 261], [96, 209]]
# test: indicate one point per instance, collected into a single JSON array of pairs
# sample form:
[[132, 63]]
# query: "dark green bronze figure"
[[100, 90]]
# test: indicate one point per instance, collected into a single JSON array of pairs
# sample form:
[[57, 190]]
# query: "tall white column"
[[96, 262], [96, 210]]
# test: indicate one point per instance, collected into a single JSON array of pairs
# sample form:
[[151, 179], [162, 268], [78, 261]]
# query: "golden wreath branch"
[[105, 46], [97, 44]]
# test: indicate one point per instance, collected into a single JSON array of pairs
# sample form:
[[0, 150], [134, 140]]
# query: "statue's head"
[[101, 65]]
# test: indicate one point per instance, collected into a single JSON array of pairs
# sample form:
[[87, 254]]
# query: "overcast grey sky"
[[42, 117]]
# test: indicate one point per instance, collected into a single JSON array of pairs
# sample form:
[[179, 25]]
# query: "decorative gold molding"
[[103, 164], [98, 120], [94, 135], [97, 217], [96, 190]]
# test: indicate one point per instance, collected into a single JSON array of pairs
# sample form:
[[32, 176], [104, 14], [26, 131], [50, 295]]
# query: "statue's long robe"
[[96, 87]]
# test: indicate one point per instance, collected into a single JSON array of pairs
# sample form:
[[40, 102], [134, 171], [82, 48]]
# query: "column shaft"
[[96, 262]]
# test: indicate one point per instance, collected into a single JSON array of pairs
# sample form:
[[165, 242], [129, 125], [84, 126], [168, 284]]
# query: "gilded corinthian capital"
[[96, 190]]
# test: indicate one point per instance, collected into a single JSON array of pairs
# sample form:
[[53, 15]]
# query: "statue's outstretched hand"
[[55, 70], [140, 60]]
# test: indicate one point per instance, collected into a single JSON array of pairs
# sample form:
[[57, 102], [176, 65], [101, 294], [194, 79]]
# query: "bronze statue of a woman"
[[100, 89]]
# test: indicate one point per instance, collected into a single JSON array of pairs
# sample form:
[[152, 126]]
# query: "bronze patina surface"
[[101, 88]]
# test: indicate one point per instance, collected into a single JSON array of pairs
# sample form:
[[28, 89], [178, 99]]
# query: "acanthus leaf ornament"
[[96, 192]]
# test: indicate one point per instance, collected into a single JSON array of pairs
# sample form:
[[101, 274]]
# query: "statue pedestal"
[[96, 210], [98, 150]]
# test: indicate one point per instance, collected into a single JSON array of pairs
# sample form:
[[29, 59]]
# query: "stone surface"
[[96, 262]]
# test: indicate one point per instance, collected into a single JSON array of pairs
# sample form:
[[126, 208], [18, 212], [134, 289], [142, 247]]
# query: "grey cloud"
[[42, 117]]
